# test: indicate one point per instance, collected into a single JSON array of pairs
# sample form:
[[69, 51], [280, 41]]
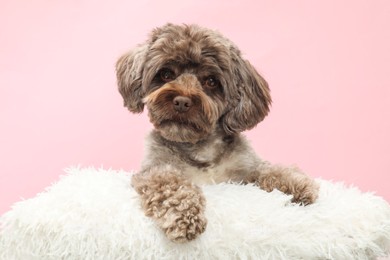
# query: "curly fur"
[[175, 203], [224, 95]]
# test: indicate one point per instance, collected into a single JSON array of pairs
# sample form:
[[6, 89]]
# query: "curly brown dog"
[[200, 94]]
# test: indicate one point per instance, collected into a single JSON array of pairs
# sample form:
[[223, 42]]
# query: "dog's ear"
[[129, 70], [251, 97]]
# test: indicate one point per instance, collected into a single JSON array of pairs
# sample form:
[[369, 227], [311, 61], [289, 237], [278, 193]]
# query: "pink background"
[[327, 62]]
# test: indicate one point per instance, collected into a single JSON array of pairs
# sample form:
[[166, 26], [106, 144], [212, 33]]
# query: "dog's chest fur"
[[206, 162]]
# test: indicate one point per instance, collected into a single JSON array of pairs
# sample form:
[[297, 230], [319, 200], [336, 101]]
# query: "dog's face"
[[192, 80]]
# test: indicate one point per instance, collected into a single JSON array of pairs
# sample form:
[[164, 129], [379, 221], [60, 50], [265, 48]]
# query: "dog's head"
[[192, 80]]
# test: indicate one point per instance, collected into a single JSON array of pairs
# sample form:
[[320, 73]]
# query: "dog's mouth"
[[178, 124], [182, 130], [181, 124]]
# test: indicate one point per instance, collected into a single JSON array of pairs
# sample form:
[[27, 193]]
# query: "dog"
[[200, 94]]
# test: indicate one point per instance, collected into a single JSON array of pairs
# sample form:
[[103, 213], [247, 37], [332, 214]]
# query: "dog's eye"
[[167, 75], [211, 82]]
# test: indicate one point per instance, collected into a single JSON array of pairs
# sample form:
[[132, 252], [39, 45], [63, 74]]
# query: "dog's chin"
[[182, 132]]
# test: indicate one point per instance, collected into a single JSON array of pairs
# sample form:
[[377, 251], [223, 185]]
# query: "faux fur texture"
[[96, 214]]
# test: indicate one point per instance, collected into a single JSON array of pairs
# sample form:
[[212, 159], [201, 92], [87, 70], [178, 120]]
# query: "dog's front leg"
[[172, 201], [288, 180]]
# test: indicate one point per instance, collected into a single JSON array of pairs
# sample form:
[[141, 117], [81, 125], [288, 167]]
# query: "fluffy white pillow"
[[95, 214]]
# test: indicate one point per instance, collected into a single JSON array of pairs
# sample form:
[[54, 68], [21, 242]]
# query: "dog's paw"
[[290, 181], [174, 203], [184, 219], [305, 192], [185, 226]]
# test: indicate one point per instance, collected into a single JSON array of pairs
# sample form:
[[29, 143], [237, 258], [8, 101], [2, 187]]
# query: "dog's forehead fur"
[[191, 44], [188, 46]]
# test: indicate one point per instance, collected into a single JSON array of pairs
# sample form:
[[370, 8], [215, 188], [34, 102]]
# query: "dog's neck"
[[204, 153]]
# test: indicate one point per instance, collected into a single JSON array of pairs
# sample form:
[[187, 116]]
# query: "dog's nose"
[[182, 104]]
